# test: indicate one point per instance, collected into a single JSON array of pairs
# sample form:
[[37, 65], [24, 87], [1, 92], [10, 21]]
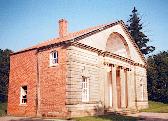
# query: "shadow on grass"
[[151, 119], [111, 117], [30, 119], [115, 117]]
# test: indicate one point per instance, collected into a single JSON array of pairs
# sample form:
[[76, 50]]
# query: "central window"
[[85, 89], [23, 95], [53, 58]]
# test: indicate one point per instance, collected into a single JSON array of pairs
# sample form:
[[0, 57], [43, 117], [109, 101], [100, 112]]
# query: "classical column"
[[123, 85], [110, 90], [114, 87], [106, 86]]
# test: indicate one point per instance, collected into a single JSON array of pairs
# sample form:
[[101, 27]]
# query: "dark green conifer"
[[135, 28]]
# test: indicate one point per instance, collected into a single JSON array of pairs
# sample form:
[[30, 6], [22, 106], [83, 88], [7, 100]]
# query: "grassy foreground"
[[3, 108], [106, 118], [156, 107]]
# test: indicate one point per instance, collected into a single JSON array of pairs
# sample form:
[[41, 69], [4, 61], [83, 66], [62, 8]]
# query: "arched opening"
[[116, 44]]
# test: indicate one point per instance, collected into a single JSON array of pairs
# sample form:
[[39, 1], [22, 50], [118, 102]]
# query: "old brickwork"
[[52, 81], [23, 72]]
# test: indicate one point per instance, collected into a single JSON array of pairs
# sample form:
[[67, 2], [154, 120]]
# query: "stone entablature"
[[107, 54]]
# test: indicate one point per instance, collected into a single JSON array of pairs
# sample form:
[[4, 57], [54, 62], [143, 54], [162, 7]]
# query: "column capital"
[[113, 65], [128, 69], [106, 64], [121, 67]]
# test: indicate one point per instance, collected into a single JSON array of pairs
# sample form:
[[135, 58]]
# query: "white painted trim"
[[51, 58], [21, 94], [85, 89]]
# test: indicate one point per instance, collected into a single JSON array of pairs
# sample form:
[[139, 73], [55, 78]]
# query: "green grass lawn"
[[156, 107], [3, 108], [106, 118]]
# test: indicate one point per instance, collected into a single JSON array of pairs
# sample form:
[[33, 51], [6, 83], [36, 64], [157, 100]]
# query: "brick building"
[[87, 72]]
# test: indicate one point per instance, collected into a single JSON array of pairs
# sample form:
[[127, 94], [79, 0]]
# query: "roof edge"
[[106, 26], [18, 52], [133, 41]]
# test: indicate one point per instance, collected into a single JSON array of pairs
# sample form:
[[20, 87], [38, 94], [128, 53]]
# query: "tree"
[[4, 73], [157, 74], [135, 28]]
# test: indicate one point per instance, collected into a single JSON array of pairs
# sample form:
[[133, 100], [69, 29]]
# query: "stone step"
[[121, 111]]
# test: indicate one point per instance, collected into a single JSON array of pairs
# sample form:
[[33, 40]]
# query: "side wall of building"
[[84, 63], [23, 72], [52, 83], [141, 87]]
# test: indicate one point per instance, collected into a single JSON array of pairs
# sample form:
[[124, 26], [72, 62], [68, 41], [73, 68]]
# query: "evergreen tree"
[[4, 73], [135, 28], [157, 74]]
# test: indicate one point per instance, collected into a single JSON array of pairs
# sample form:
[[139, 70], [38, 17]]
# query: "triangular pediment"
[[117, 40]]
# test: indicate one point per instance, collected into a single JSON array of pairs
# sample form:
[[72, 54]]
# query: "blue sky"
[[24, 23]]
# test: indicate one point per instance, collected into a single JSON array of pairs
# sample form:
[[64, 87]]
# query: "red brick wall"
[[52, 84], [23, 71]]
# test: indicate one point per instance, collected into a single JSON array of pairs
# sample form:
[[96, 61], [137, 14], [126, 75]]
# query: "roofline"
[[83, 35], [110, 25], [43, 47], [73, 39], [133, 41], [14, 53], [89, 34]]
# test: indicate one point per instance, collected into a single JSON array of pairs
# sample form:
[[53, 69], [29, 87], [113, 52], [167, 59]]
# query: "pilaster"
[[131, 88]]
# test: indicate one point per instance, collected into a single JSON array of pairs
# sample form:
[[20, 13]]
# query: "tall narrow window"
[[85, 89], [53, 58], [23, 95]]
